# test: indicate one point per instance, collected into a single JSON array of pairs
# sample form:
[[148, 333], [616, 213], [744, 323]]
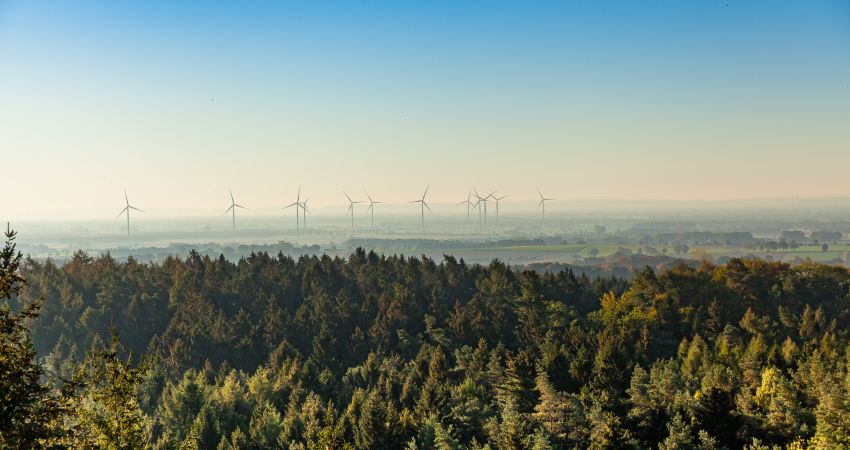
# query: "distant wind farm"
[[474, 203]]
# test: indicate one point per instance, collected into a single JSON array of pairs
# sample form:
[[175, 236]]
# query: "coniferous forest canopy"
[[379, 351]]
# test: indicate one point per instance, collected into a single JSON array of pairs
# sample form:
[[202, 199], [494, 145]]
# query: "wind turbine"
[[351, 204], [296, 204], [126, 210], [477, 205], [542, 205], [371, 208], [423, 204], [482, 201], [497, 199], [468, 204], [305, 210], [232, 209], [486, 199]]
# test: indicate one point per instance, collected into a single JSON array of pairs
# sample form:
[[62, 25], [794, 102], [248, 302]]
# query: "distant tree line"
[[408, 245], [772, 246], [700, 237], [815, 236]]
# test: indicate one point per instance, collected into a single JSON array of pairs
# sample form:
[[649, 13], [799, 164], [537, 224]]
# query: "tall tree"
[[30, 410], [107, 409]]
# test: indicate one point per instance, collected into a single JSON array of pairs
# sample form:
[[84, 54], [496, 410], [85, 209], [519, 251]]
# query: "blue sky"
[[588, 100]]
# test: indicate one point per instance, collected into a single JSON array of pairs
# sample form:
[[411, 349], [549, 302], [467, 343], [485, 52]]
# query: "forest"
[[380, 351]]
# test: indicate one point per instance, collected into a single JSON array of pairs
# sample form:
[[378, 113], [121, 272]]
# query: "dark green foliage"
[[394, 352], [30, 410]]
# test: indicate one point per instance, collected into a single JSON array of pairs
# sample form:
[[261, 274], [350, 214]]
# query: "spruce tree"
[[30, 411]]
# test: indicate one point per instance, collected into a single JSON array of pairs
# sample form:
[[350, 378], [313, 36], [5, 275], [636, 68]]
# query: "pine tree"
[[679, 437], [605, 429], [559, 414], [833, 417], [517, 383], [180, 405], [30, 411], [108, 411]]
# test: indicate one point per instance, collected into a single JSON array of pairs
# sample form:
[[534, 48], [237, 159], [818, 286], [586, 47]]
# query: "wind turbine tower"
[[297, 204], [469, 205], [477, 205], [371, 208], [482, 201], [542, 207], [126, 211], [232, 209], [351, 204], [497, 200], [304, 211], [423, 204]]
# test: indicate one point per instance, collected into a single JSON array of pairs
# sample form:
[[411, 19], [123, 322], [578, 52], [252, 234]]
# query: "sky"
[[587, 100]]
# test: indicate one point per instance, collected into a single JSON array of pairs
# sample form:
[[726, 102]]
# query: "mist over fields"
[[588, 236]]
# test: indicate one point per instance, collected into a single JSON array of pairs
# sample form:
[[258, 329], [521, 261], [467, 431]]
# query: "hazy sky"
[[586, 99]]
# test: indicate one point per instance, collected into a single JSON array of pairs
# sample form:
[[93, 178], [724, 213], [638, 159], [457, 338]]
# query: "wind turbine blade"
[[239, 206], [227, 210], [298, 199], [122, 212], [350, 207], [370, 206], [369, 197], [231, 196], [541, 203], [539, 193], [137, 209], [426, 191], [415, 201], [126, 200], [289, 205], [429, 208], [346, 196]]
